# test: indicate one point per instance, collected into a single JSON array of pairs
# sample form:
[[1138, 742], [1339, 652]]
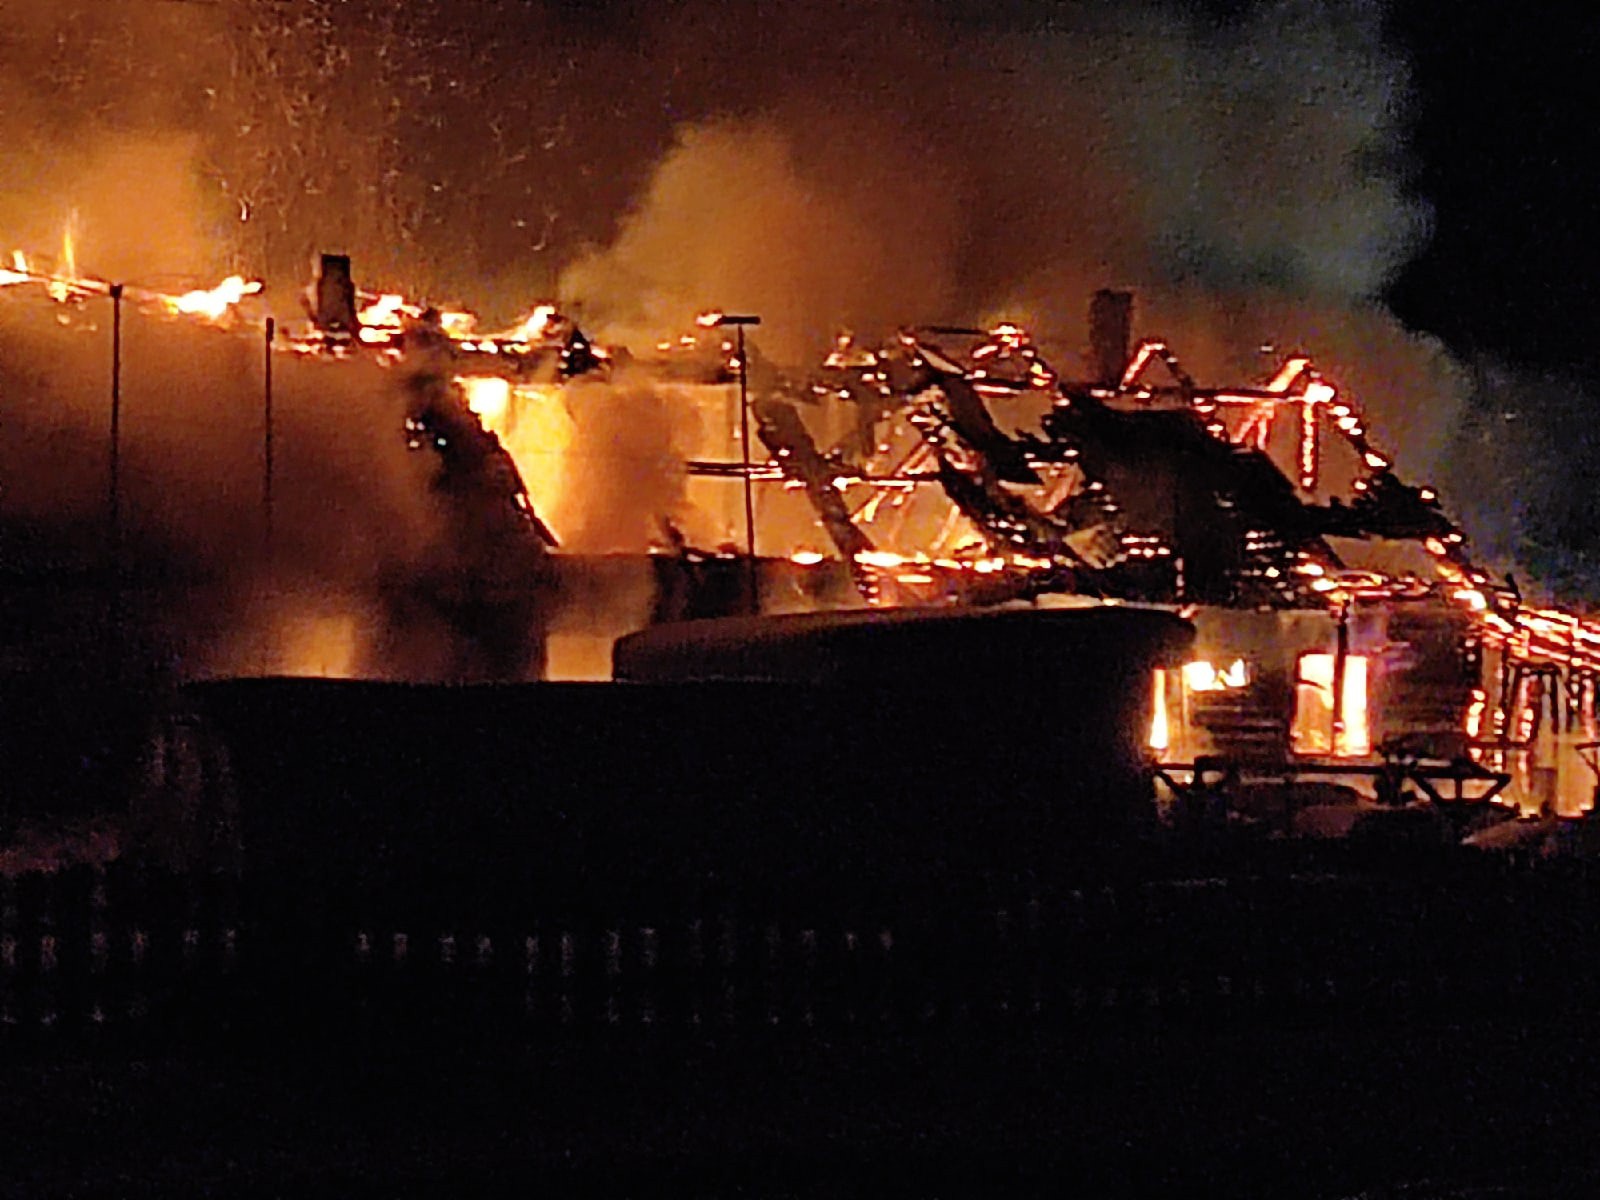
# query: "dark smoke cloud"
[[978, 169]]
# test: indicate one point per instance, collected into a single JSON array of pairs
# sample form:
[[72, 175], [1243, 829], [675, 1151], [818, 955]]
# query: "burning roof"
[[1138, 484]]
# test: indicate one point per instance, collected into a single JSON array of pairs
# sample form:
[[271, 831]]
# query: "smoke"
[[733, 219], [1524, 437], [1246, 176], [631, 466], [1130, 145], [822, 164], [368, 554], [829, 162]]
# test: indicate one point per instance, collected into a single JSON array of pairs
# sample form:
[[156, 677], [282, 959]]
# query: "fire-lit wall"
[[1262, 686], [1536, 723], [1261, 689]]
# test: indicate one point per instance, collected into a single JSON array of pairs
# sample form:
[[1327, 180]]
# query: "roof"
[[893, 647]]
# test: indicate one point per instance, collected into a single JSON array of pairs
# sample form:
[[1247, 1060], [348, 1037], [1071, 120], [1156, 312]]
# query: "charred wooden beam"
[[786, 437], [332, 299]]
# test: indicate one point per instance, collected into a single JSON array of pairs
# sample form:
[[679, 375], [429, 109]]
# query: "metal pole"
[[754, 598], [114, 498], [114, 486], [1341, 659], [266, 434]]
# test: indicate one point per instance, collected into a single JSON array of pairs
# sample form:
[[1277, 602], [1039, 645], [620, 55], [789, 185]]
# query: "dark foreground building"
[[828, 754]]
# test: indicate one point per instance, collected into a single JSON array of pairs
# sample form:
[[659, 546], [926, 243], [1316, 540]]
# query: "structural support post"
[[1341, 662], [713, 320]]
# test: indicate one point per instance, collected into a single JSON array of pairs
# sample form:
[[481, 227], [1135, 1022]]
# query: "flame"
[[1475, 713], [532, 327], [62, 287], [533, 424], [19, 272], [880, 558], [214, 303], [380, 321], [1316, 729], [1288, 373], [490, 397], [1355, 734], [457, 324], [1202, 676], [1159, 731]]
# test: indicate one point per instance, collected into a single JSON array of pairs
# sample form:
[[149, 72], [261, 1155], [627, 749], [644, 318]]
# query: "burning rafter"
[[65, 285]]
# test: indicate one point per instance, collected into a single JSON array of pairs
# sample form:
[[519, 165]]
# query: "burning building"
[[1345, 630], [1345, 633]]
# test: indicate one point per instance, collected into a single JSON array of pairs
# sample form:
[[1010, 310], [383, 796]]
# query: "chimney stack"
[[1110, 332], [333, 296]]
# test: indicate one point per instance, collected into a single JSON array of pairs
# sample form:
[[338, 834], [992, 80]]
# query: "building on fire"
[[1345, 633]]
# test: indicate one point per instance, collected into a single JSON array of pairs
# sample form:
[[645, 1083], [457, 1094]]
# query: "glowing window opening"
[[1159, 732], [1314, 730], [1202, 676]]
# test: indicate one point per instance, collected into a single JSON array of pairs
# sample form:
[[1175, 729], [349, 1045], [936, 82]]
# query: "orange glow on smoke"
[[318, 644]]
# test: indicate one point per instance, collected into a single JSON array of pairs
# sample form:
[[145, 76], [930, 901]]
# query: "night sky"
[[1506, 156]]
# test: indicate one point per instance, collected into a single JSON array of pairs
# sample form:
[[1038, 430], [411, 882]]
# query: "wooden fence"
[[125, 952]]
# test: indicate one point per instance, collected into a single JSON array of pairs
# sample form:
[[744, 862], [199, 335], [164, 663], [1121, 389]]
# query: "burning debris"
[[64, 284]]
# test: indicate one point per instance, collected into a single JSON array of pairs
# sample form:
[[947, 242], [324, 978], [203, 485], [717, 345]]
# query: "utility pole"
[[114, 494], [718, 319], [266, 434]]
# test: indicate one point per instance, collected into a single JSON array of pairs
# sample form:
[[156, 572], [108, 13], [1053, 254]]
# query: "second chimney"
[[333, 296], [1110, 331]]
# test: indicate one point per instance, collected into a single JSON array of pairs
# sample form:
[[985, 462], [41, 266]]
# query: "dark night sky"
[[1507, 154], [1506, 145]]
